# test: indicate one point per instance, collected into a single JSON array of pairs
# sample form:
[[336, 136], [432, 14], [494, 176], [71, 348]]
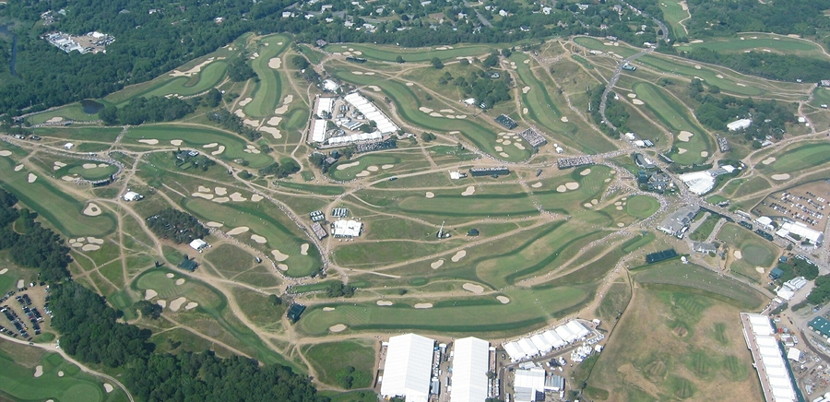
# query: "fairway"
[[759, 42], [390, 53], [800, 157], [268, 92], [19, 383]]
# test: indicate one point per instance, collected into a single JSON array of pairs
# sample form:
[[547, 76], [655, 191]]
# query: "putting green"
[[19, 383], [641, 206]]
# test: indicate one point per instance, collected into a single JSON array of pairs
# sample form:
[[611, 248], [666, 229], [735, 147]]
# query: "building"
[[383, 123], [564, 163], [198, 244], [506, 122], [677, 223], [491, 171], [456, 175], [132, 196], [788, 289], [643, 161], [408, 367], [739, 124], [470, 362], [545, 342], [704, 248], [797, 232], [776, 381], [346, 228], [529, 385], [188, 264], [319, 231], [555, 383], [821, 326], [295, 311]]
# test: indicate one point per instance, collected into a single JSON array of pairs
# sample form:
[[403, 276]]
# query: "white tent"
[[198, 244], [577, 329], [469, 370], [513, 350], [408, 367], [565, 334], [527, 347], [554, 339], [540, 343]]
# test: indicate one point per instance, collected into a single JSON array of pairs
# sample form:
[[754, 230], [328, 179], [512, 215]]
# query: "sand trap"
[[180, 282], [282, 267], [437, 264], [524, 111], [239, 230], [503, 299], [499, 148], [338, 328], [759, 270], [525, 90], [175, 305], [363, 174], [472, 287], [430, 194], [374, 88], [245, 101], [327, 309], [436, 114], [170, 276], [89, 165], [38, 371], [91, 209], [387, 166], [409, 84], [681, 151], [94, 240], [520, 146], [149, 294], [220, 190], [384, 303], [203, 195], [203, 189], [274, 121], [256, 198], [32, 177], [781, 176], [536, 185], [459, 255], [162, 303], [357, 72], [3, 271], [279, 256], [275, 63], [698, 67], [719, 76], [632, 95], [469, 191], [20, 283], [637, 102], [572, 185], [191, 306], [345, 166], [259, 239], [304, 249], [218, 150], [684, 136], [585, 172], [5, 153], [561, 188], [16, 168], [195, 70], [176, 142], [108, 388], [768, 160], [704, 154], [151, 141], [221, 200], [237, 197], [425, 109], [423, 305], [211, 145], [738, 255], [90, 247], [275, 132], [740, 84]]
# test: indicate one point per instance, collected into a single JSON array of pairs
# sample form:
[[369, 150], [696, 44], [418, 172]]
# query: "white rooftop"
[[739, 124], [798, 228], [132, 196], [347, 227], [698, 182], [318, 130], [198, 244], [408, 367], [470, 363]]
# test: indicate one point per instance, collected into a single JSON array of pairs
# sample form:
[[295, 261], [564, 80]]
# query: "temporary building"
[[527, 383], [408, 367], [470, 363], [198, 244]]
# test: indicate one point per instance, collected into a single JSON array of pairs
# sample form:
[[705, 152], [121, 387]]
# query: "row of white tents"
[[544, 342], [371, 112], [769, 362]]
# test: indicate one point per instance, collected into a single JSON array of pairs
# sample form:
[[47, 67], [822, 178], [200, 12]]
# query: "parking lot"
[[25, 312]]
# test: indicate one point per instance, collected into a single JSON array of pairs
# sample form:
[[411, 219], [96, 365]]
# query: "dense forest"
[[153, 109], [150, 43], [176, 225], [91, 332], [723, 18]]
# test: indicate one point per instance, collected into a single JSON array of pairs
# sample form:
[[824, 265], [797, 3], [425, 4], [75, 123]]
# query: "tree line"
[[176, 225], [92, 332]]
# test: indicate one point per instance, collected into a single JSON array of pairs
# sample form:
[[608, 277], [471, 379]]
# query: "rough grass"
[[334, 361]]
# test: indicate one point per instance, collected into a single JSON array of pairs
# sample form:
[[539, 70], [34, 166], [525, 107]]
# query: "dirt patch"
[[472, 287], [459, 255], [338, 328], [92, 210], [149, 294], [470, 190], [259, 239], [278, 255], [239, 230], [423, 305], [780, 176]]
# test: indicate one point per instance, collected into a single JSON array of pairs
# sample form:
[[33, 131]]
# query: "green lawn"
[[391, 53], [799, 157], [641, 206], [346, 364], [268, 92], [674, 13], [757, 41]]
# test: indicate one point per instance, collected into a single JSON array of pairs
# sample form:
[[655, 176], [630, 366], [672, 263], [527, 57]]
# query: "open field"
[[799, 157], [763, 42], [674, 13], [355, 359], [391, 53]]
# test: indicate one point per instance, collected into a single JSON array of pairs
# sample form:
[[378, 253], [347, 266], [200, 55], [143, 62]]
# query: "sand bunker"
[[520, 146], [459, 255], [32, 177], [524, 110], [469, 191], [275, 63], [211, 145], [151, 141], [175, 305], [738, 255], [363, 174], [684, 136], [176, 142], [108, 388], [18, 167], [423, 305], [304, 249], [238, 197], [632, 95], [425, 109], [279, 256], [170, 276], [180, 282], [195, 70], [561, 188], [89, 165], [259, 239], [704, 154], [338, 328], [275, 132], [345, 166], [768, 160], [191, 306], [384, 303], [38, 371], [220, 190], [585, 172], [327, 309], [503, 299], [90, 247], [759, 270], [536, 185], [245, 101], [780, 176], [203, 195], [387, 166], [637, 102], [221, 200], [572, 185], [3, 271], [282, 267], [525, 90], [372, 168], [239, 230], [472, 287], [5, 153], [162, 303], [430, 194], [437, 264], [681, 151], [92, 209], [149, 294], [256, 198]]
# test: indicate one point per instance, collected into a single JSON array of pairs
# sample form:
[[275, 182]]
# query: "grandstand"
[[565, 163], [533, 138]]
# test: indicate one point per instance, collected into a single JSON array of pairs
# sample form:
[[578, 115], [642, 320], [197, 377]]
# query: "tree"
[[399, 59], [299, 62], [437, 63], [274, 299], [428, 137], [109, 115], [491, 60], [239, 70], [148, 309], [213, 98]]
